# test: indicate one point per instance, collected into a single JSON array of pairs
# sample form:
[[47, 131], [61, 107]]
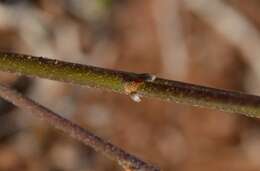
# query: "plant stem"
[[129, 83], [127, 161]]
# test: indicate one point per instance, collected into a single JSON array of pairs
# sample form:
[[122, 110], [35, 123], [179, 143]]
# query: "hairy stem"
[[127, 161], [132, 83]]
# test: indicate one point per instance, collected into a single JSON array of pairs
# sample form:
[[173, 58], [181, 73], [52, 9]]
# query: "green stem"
[[129, 83]]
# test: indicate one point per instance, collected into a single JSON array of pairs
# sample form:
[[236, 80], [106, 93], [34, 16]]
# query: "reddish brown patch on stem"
[[132, 87]]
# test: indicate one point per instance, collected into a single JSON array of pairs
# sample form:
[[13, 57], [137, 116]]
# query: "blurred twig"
[[135, 85], [127, 161], [22, 84]]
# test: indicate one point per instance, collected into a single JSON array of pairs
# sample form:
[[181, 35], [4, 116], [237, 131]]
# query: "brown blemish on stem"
[[131, 87]]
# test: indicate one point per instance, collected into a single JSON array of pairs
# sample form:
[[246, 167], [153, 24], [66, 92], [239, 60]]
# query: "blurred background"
[[214, 43]]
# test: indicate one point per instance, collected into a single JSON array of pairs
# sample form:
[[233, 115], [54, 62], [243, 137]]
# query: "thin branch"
[[132, 84], [127, 161]]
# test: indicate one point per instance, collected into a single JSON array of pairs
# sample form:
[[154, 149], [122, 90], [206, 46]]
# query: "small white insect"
[[147, 77], [151, 78], [135, 97]]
